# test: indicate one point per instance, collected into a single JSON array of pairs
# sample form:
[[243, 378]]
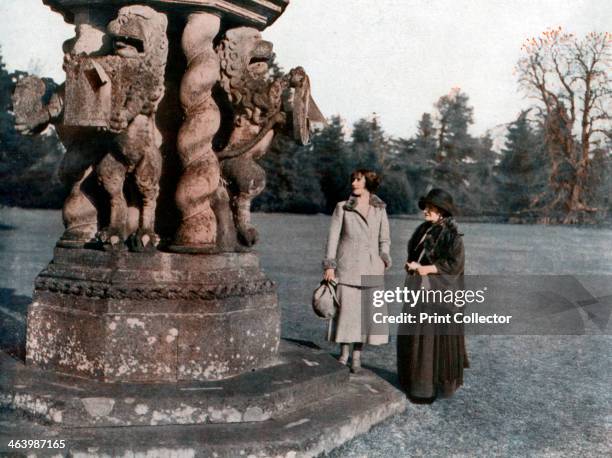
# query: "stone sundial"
[[154, 310]]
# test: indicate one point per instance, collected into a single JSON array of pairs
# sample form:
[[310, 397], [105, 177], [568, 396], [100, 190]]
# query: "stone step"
[[301, 376], [316, 428]]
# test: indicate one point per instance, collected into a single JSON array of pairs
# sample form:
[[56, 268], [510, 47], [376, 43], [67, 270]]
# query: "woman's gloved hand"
[[329, 275]]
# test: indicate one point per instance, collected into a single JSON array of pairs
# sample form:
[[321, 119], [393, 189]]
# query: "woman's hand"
[[329, 275], [427, 270], [424, 270], [421, 270]]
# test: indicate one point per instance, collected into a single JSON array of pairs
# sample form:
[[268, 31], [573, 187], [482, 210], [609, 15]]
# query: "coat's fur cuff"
[[386, 259], [329, 263]]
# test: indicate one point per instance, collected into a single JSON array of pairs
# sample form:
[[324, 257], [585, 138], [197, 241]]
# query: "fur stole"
[[375, 201], [440, 238]]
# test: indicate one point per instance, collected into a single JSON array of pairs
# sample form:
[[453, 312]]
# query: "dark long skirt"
[[430, 360]]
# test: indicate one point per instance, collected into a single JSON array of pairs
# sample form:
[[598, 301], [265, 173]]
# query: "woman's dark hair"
[[371, 177]]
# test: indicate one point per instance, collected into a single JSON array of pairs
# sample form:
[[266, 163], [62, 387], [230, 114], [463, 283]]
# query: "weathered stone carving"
[[168, 316], [151, 292], [32, 114], [118, 96], [258, 113], [198, 228], [120, 93], [105, 116]]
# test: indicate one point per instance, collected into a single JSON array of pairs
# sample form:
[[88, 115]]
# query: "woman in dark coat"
[[431, 357]]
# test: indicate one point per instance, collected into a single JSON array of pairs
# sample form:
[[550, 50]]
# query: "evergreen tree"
[[417, 157], [333, 163], [275, 71], [370, 149], [292, 184], [455, 148], [521, 173], [479, 170], [455, 116], [396, 192]]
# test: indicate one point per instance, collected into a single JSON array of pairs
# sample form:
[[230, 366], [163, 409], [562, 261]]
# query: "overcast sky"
[[391, 57]]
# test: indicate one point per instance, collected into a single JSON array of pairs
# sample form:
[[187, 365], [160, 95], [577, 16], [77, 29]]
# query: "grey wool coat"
[[358, 245]]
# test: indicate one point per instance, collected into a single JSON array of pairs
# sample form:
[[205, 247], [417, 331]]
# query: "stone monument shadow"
[[13, 323], [390, 377]]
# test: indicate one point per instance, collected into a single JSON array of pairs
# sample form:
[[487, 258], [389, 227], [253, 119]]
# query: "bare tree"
[[571, 80]]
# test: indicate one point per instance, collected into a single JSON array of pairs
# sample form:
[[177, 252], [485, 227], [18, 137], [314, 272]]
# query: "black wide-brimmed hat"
[[439, 198]]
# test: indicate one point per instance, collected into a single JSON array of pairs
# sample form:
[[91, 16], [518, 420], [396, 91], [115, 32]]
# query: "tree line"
[[442, 153], [554, 165]]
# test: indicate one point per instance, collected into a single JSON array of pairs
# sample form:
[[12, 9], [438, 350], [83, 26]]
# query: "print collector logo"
[[489, 305], [432, 307], [436, 318]]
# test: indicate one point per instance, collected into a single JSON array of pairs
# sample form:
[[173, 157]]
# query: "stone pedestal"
[[306, 405], [152, 317]]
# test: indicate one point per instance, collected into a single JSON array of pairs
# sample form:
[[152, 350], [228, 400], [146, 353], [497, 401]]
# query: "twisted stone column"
[[200, 178]]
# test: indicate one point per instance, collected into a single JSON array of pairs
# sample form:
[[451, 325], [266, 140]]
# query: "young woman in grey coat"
[[358, 246]]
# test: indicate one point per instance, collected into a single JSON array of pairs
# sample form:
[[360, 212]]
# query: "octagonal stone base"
[[301, 377], [306, 405], [152, 317]]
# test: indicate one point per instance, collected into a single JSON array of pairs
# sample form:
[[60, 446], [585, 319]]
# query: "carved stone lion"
[[137, 71], [120, 94], [259, 110], [104, 115], [244, 58], [257, 105]]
